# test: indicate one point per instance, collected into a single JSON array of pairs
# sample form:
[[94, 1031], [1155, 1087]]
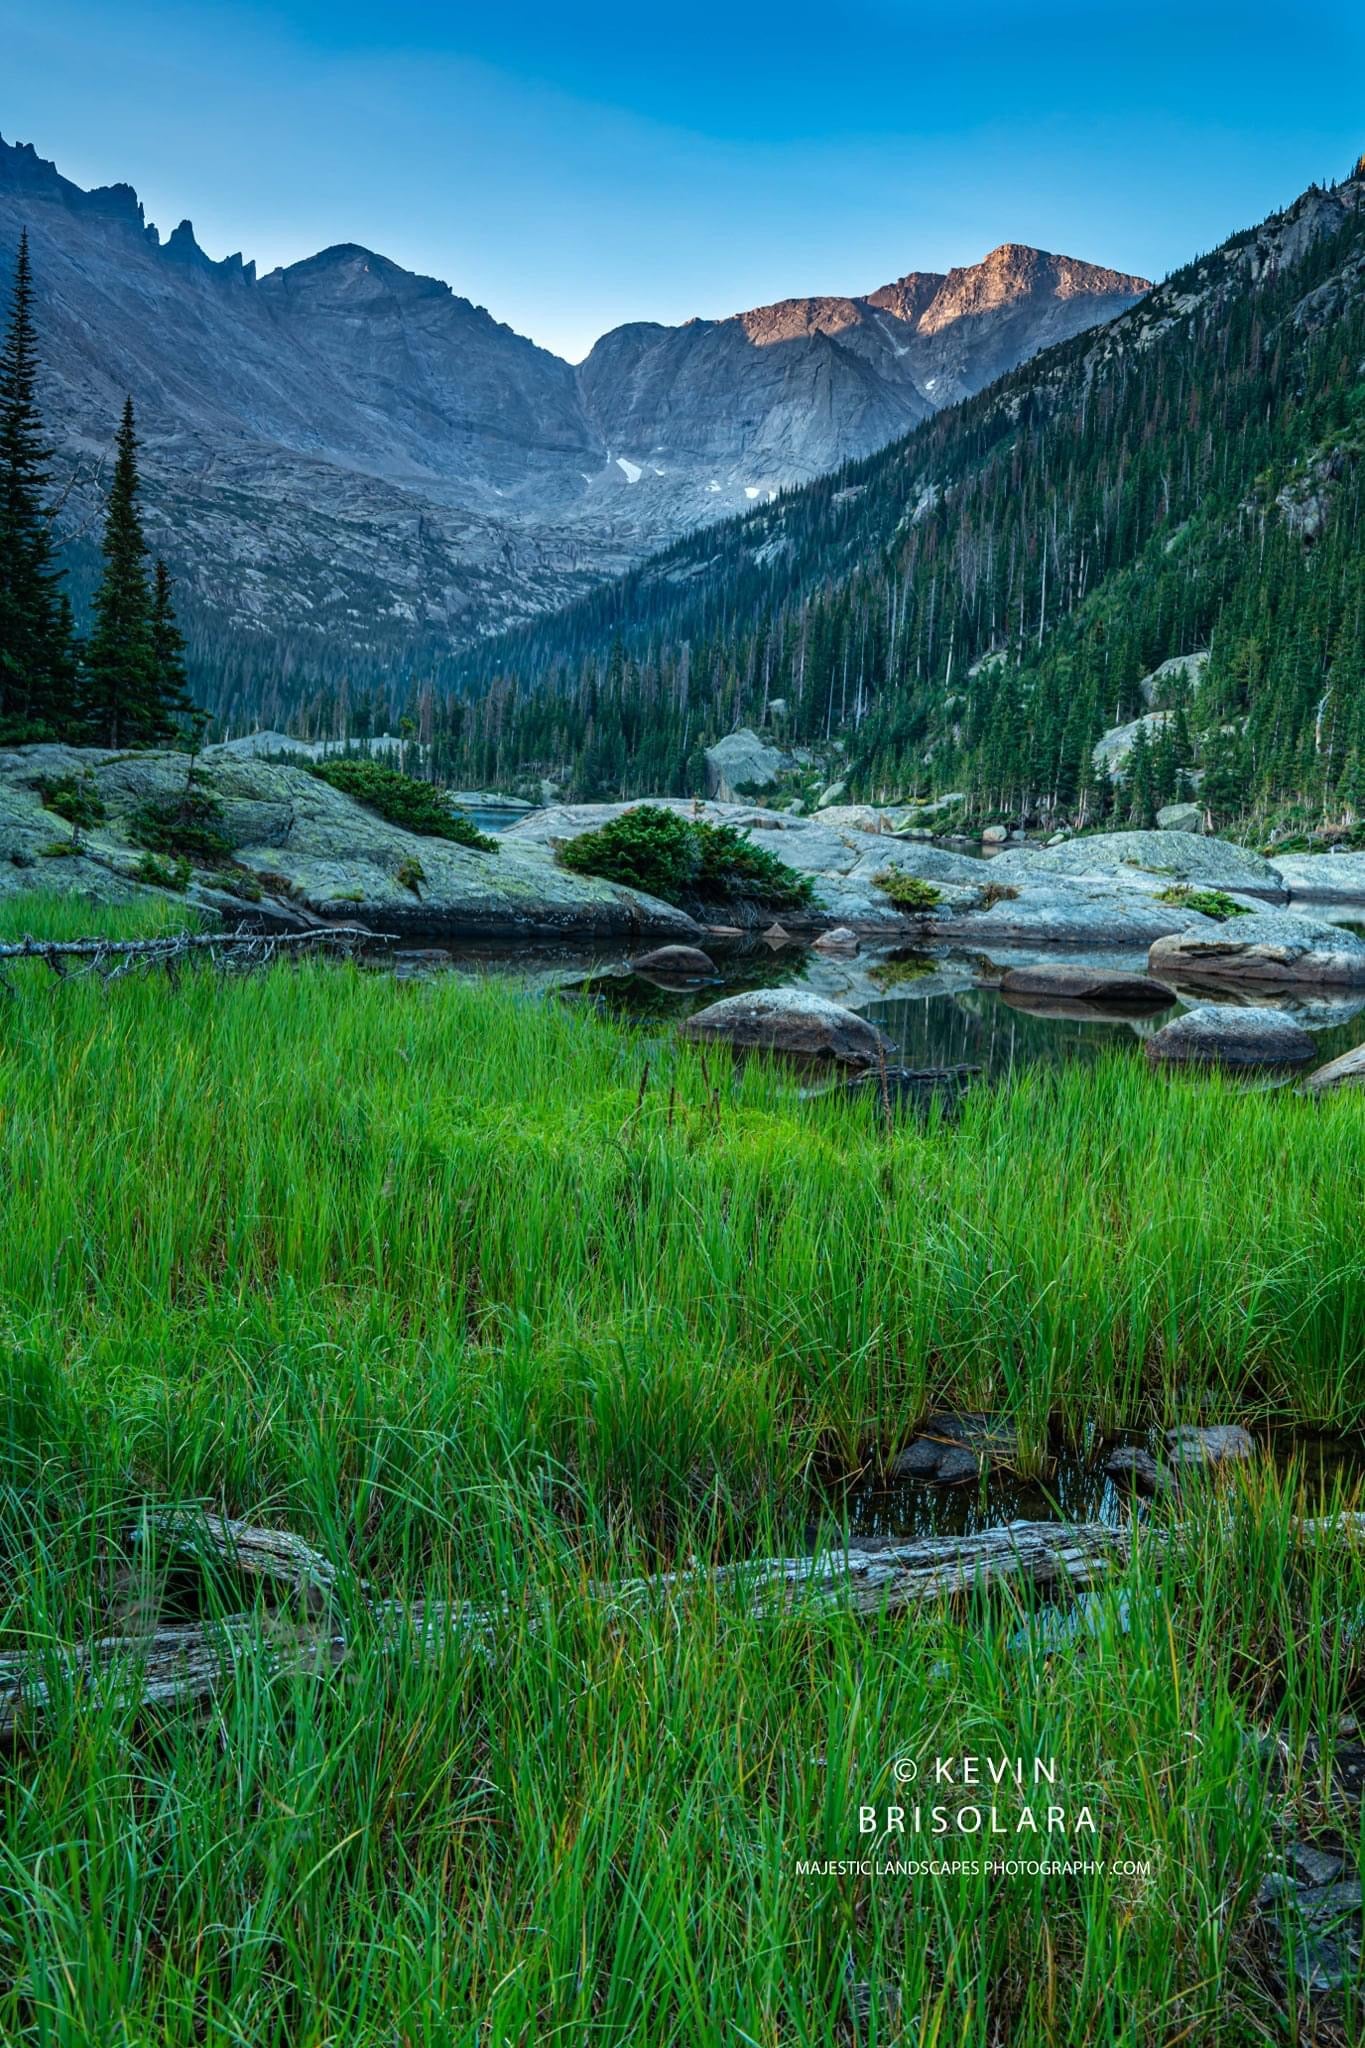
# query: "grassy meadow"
[[493, 1299]]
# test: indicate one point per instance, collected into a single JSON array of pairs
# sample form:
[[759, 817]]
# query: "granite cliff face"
[[348, 457]]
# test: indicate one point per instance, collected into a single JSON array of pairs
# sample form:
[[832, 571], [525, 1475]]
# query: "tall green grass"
[[495, 1299], [403, 1235]]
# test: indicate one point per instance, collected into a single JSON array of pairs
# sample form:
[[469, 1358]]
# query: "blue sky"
[[571, 166]]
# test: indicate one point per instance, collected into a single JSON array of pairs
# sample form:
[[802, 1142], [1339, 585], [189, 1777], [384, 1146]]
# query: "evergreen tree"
[[168, 649], [36, 644], [121, 683], [1141, 786]]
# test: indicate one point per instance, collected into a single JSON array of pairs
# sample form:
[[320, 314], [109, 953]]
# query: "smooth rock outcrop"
[[1058, 911], [740, 762], [1151, 862], [1323, 877], [1111, 750], [1222, 1035], [309, 851], [1275, 947], [791, 1021]]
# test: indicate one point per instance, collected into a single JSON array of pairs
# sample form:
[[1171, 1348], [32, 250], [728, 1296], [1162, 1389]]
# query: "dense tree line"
[[972, 608], [124, 685]]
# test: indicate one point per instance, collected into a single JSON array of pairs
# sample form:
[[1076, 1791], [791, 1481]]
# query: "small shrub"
[[239, 883], [411, 875], [188, 827], [75, 798], [908, 892], [403, 800], [164, 874], [677, 858], [59, 849], [1214, 903], [998, 892]]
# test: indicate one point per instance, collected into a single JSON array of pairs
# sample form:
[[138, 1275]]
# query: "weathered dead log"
[[248, 946], [188, 1662]]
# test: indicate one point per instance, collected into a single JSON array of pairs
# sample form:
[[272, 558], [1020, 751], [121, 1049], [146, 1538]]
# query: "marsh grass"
[[438, 1276]]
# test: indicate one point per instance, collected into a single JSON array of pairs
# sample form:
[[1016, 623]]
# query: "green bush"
[[1214, 903], [188, 827], [411, 875], [162, 874], [75, 798], [907, 892], [677, 858], [403, 800]]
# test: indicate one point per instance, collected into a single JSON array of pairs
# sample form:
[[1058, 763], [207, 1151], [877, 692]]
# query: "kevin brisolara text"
[[970, 1866]]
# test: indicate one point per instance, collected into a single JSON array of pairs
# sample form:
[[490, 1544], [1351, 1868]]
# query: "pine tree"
[[1140, 788], [36, 644], [121, 685], [168, 649]]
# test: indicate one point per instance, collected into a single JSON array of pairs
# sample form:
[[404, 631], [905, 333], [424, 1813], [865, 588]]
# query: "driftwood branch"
[[246, 947], [189, 1662]]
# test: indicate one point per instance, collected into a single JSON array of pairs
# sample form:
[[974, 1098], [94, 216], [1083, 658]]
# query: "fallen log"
[[188, 1662], [247, 946]]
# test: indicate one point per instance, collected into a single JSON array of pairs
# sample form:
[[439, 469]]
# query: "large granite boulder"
[[1060, 911], [841, 859], [740, 762], [305, 852], [1223, 1035], [1111, 750], [791, 1021], [1180, 818], [1275, 946], [1149, 861], [1323, 877]]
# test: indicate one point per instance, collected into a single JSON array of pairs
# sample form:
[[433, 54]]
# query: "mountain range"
[[1160, 521], [351, 468]]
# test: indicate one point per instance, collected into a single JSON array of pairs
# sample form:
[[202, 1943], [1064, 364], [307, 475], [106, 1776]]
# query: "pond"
[[939, 1009]]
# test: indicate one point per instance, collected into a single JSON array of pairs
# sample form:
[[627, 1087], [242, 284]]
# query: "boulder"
[[1193, 1449], [789, 1020], [950, 1449], [1130, 1466], [1275, 946], [1111, 750], [1180, 818], [840, 941], [1218, 1034], [742, 761], [678, 960], [1348, 1071], [1098, 985], [994, 835], [1182, 670], [1061, 912], [1151, 862], [1323, 877]]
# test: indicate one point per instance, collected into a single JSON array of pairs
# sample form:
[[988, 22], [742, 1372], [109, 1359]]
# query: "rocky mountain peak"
[[350, 452]]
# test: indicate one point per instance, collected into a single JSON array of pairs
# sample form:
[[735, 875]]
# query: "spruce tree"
[[168, 649], [36, 644], [121, 685]]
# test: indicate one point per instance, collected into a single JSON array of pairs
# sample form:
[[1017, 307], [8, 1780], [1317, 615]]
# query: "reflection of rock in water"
[[912, 1091]]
